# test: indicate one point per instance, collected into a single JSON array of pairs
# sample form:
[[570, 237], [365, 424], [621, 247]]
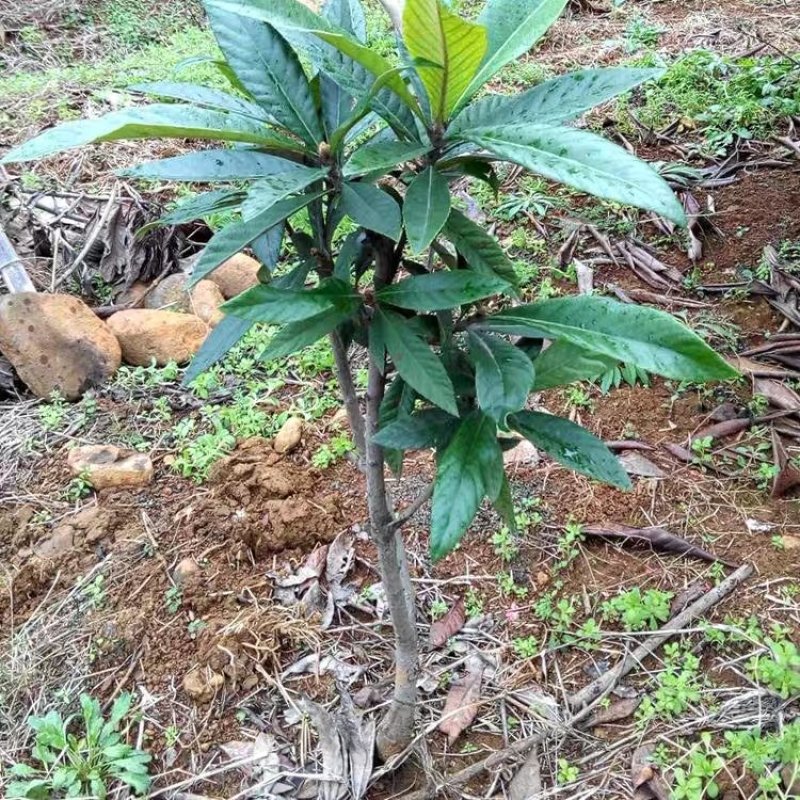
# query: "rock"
[[236, 275], [522, 455], [790, 542], [340, 419], [542, 578], [202, 683], [56, 343], [58, 544], [186, 570], [107, 466], [133, 294], [289, 435], [147, 335], [173, 294]]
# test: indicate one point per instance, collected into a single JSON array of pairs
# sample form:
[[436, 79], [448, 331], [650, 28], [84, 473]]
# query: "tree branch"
[[405, 515], [394, 8], [345, 377]]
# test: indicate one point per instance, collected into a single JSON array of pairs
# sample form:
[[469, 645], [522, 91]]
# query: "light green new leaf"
[[449, 50], [514, 27], [557, 100], [563, 363], [571, 445], [381, 157], [481, 251], [426, 208], [441, 290], [202, 96], [157, 121], [234, 238], [503, 375], [215, 166], [372, 208], [297, 335], [585, 161], [645, 337], [414, 361], [469, 469]]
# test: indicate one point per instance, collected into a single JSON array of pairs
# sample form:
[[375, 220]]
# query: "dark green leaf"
[[267, 247], [426, 208], [347, 15], [414, 360], [372, 208], [504, 506], [157, 121], [201, 206], [563, 363], [270, 71], [430, 427], [266, 192], [650, 339], [297, 335], [571, 445], [585, 161], [503, 375], [441, 290], [226, 335], [469, 469], [202, 96], [398, 401], [382, 156], [557, 100], [234, 238], [480, 250]]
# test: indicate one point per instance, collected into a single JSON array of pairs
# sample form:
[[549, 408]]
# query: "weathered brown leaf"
[[621, 709], [449, 625], [657, 538], [635, 463], [778, 394], [628, 444], [681, 453], [461, 705], [694, 591], [755, 369], [788, 475], [647, 782], [527, 783], [722, 429]]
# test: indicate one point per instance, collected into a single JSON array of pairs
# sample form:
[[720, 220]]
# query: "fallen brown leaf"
[[788, 475], [461, 706], [449, 625], [647, 782], [621, 709], [634, 463]]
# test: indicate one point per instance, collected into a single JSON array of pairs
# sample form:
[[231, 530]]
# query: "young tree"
[[363, 151]]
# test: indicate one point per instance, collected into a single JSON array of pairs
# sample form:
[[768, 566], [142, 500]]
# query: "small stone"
[[174, 294], [340, 419], [56, 343], [289, 435], [790, 542], [202, 683], [236, 275], [107, 466], [186, 570], [58, 544], [542, 578], [206, 298], [147, 335], [522, 455]]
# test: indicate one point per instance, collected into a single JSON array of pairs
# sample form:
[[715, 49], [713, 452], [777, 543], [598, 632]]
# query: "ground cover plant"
[[416, 283]]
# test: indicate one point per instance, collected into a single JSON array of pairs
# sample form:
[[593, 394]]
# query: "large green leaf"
[[469, 469], [398, 401], [372, 208], [503, 375], [267, 303], [426, 208], [297, 335], [585, 161], [265, 192], [441, 290], [563, 363], [557, 100], [430, 427], [514, 27], [291, 16], [571, 445], [449, 50], [202, 96], [382, 156], [215, 166], [650, 339], [226, 335], [414, 360], [157, 121], [480, 250], [234, 238], [270, 71], [347, 15], [202, 205]]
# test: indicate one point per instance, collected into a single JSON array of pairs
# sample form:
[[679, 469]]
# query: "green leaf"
[[414, 360], [297, 335], [157, 121], [430, 427], [266, 303], [201, 96], [347, 15], [266, 192], [469, 469], [571, 445], [652, 340], [480, 250], [214, 166], [234, 238], [563, 363], [372, 208], [441, 290], [270, 71], [557, 100], [201, 206], [382, 156], [426, 208], [398, 400], [584, 161], [504, 505], [503, 375], [454, 48], [514, 27]]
